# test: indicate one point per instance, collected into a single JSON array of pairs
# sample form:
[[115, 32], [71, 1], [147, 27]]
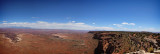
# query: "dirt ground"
[[46, 42]]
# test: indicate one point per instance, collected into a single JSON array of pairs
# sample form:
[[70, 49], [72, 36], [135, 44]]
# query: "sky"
[[109, 15]]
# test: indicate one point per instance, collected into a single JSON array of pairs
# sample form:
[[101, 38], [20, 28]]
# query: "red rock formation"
[[113, 42]]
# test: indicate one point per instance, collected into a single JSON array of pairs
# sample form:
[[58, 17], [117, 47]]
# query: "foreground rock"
[[111, 42], [12, 37]]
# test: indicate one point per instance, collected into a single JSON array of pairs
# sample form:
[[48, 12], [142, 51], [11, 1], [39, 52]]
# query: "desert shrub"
[[150, 49], [158, 37], [116, 51]]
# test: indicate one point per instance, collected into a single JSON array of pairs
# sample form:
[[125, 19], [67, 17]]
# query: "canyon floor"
[[43, 41]]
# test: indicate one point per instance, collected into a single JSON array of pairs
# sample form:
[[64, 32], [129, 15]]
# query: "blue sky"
[[124, 15]]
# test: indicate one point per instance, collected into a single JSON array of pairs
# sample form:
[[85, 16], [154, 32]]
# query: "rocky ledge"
[[113, 42]]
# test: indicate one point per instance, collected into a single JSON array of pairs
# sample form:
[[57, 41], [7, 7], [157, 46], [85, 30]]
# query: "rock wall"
[[111, 42]]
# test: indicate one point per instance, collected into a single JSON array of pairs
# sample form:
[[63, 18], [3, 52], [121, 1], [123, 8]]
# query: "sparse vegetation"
[[125, 41]]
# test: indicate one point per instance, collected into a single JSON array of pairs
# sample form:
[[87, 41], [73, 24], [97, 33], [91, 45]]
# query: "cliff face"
[[124, 42]]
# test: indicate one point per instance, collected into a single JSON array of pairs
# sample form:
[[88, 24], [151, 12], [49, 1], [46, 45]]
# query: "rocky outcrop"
[[104, 46], [111, 42], [12, 37]]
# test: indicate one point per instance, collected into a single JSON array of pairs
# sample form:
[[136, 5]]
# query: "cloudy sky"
[[116, 15]]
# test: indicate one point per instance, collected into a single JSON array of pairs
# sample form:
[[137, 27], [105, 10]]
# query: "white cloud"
[[35, 17], [125, 23], [124, 26], [72, 25], [145, 29], [93, 23], [46, 25], [4, 21], [80, 23], [73, 21], [118, 25], [131, 24]]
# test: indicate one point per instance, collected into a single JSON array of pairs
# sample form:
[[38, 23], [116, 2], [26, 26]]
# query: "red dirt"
[[43, 42]]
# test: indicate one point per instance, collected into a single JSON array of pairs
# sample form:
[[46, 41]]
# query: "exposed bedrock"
[[110, 42]]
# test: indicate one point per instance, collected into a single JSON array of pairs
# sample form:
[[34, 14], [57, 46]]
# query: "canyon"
[[58, 41], [120, 42]]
